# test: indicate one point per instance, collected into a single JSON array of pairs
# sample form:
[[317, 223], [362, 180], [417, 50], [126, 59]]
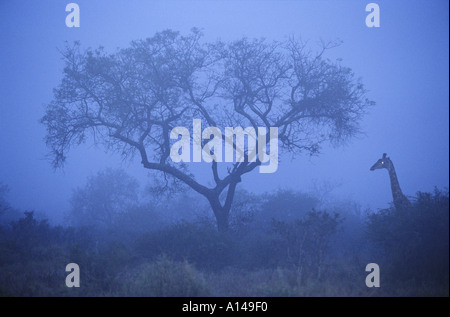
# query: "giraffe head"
[[383, 162]]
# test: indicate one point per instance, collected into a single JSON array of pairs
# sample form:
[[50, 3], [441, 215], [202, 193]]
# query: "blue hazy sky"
[[404, 64]]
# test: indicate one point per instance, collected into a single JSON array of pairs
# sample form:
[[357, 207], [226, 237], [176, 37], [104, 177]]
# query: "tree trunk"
[[222, 221], [221, 213]]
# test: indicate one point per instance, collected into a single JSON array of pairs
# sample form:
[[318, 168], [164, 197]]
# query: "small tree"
[[4, 205], [7, 212], [106, 196], [132, 99]]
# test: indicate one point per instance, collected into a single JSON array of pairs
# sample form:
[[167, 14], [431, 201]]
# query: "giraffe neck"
[[400, 199]]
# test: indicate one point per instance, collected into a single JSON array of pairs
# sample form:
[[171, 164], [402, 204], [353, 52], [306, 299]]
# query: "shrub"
[[415, 241], [307, 240], [199, 244]]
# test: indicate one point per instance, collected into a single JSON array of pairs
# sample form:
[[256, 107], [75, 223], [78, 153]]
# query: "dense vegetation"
[[281, 244]]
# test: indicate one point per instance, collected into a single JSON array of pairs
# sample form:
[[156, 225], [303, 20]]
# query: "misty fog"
[[121, 148]]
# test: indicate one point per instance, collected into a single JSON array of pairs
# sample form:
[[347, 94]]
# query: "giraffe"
[[400, 200]]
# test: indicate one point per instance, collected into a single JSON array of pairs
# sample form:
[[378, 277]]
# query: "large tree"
[[129, 101]]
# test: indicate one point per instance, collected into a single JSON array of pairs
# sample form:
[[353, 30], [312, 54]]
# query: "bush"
[[200, 244], [307, 241], [415, 241]]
